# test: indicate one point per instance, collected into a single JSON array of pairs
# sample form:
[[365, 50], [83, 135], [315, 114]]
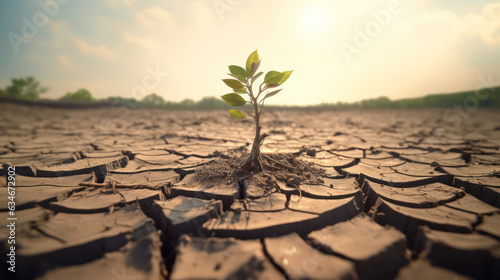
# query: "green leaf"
[[253, 58], [285, 77], [273, 93], [273, 77], [239, 72], [233, 83], [234, 99], [240, 90], [257, 76], [253, 68], [236, 77], [237, 114]]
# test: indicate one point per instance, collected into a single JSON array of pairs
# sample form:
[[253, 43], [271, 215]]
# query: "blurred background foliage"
[[81, 95], [30, 89], [24, 88]]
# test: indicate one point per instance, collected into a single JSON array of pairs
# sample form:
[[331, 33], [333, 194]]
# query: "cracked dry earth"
[[109, 194]]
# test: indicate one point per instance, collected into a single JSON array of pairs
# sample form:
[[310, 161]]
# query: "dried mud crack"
[[161, 195]]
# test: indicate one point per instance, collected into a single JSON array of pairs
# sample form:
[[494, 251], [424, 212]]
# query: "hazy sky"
[[339, 50]]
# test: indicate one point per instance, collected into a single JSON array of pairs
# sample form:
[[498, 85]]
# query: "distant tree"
[[170, 105], [3, 92], [25, 88], [81, 95], [208, 103], [152, 100], [186, 104], [130, 102], [376, 103]]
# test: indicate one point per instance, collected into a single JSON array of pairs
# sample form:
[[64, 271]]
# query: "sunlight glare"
[[315, 19]]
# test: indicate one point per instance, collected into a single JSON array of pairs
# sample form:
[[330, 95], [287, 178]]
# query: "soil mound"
[[277, 167]]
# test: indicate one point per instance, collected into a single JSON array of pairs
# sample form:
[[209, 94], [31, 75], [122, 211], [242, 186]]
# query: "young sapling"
[[242, 84]]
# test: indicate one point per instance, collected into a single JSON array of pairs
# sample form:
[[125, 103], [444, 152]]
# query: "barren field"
[[109, 194]]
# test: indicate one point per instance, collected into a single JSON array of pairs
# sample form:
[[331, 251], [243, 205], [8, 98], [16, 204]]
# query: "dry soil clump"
[[285, 168]]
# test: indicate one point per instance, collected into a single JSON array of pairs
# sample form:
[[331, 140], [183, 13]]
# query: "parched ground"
[[110, 194]]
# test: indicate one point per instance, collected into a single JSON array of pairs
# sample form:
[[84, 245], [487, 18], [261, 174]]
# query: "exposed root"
[[284, 168]]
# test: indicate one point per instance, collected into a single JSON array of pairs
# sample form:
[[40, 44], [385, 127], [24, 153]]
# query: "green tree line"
[[30, 89], [486, 97]]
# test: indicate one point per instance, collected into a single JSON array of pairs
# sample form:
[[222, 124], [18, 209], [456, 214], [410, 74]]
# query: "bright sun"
[[315, 19]]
